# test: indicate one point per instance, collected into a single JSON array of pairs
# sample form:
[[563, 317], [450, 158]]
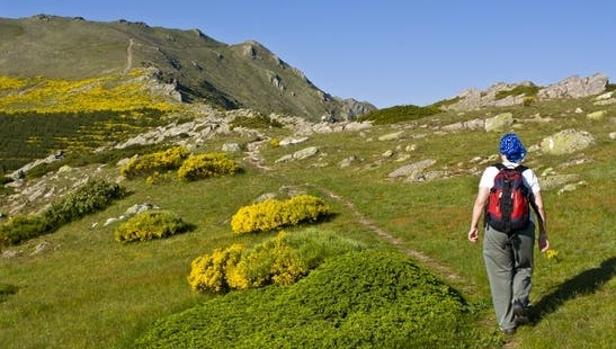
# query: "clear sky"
[[389, 52]]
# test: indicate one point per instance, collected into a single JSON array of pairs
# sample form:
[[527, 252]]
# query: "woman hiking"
[[506, 190]]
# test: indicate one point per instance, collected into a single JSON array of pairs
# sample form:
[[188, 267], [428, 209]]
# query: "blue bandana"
[[511, 146]]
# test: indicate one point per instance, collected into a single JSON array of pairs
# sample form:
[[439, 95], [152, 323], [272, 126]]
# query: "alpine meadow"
[[162, 189]]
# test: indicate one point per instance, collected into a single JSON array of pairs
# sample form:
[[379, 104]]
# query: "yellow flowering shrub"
[[169, 159], [271, 214], [208, 273], [280, 260], [9, 83], [151, 225], [271, 262], [207, 165]]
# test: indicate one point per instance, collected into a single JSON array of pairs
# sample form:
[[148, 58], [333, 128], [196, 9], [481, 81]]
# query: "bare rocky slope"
[[200, 67]]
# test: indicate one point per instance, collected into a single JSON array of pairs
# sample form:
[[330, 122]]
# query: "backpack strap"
[[499, 166], [521, 168]]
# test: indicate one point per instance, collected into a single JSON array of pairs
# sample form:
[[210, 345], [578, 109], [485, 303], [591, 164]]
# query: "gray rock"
[[231, 147], [410, 148], [285, 158], [388, 154], [571, 187], [499, 123], [65, 168], [10, 254], [357, 126], [566, 142], [579, 110], [575, 87], [138, 208], [606, 102], [410, 169], [403, 157], [391, 136], [292, 140], [41, 247], [305, 153], [597, 116], [612, 135], [124, 161], [605, 96], [264, 197], [346, 162], [110, 220]]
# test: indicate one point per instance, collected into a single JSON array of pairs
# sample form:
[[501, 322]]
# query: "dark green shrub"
[[358, 300], [4, 180], [400, 113], [22, 228], [96, 194], [151, 225], [6, 290]]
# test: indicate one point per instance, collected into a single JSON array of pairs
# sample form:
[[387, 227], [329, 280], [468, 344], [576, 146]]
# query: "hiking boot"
[[520, 316], [508, 332]]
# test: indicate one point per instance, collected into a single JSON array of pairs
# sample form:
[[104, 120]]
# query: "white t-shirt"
[[529, 177]]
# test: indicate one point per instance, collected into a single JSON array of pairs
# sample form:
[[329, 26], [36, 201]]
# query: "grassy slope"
[[94, 292]]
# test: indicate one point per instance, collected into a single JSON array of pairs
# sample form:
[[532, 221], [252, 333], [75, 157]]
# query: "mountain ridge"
[[246, 74]]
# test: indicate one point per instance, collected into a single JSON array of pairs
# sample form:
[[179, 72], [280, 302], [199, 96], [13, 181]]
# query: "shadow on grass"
[[584, 283]]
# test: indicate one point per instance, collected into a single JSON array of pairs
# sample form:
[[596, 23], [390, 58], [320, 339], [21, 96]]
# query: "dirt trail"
[[129, 56], [254, 157]]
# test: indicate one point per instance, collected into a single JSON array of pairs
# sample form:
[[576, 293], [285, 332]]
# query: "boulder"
[[388, 154], [571, 187], [305, 153], [579, 110], [499, 122], [285, 158], [566, 142], [357, 126], [346, 162], [604, 96], [391, 136], [410, 169], [231, 147], [292, 140], [41, 247], [598, 115], [138, 208], [612, 135], [265, 196]]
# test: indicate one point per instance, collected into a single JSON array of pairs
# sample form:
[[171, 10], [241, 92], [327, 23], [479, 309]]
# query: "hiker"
[[506, 190]]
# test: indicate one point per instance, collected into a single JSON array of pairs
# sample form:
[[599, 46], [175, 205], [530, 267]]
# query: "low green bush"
[[147, 164], [400, 113], [358, 300], [272, 214], [94, 195], [151, 225], [201, 166]]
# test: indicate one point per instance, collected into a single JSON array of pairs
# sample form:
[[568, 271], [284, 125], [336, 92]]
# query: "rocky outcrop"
[[352, 108], [575, 87], [21, 172], [567, 142], [474, 99]]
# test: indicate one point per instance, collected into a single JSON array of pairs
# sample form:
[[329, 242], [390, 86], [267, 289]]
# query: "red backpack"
[[508, 204]]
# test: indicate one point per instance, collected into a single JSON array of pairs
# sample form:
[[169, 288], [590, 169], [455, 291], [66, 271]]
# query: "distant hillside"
[[201, 68]]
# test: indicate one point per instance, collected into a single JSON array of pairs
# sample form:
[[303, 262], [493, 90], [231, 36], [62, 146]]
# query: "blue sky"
[[390, 52]]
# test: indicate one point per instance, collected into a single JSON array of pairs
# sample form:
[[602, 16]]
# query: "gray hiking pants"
[[509, 263]]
